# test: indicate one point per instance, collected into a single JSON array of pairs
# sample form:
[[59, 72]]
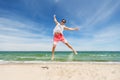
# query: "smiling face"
[[63, 21]]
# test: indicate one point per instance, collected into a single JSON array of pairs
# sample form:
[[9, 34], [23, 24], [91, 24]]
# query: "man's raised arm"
[[55, 20], [67, 28]]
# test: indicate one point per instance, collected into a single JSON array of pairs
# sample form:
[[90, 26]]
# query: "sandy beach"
[[60, 71]]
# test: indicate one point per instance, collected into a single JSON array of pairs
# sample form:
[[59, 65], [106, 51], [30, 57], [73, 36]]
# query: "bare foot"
[[52, 58], [75, 52]]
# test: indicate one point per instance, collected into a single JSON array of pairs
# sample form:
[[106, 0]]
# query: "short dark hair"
[[63, 20]]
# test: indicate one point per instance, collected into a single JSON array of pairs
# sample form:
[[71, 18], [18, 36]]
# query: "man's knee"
[[54, 45]]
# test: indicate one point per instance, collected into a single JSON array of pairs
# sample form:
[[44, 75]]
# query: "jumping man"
[[58, 35]]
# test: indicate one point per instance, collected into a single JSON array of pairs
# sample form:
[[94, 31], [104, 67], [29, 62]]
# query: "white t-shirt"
[[59, 28]]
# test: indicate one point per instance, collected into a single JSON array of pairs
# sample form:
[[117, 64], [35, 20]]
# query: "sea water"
[[61, 56]]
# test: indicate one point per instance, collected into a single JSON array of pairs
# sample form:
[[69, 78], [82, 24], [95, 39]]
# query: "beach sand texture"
[[60, 71]]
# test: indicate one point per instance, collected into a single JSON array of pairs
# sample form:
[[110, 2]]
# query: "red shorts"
[[59, 37]]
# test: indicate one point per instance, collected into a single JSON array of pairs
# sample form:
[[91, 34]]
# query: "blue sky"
[[27, 25]]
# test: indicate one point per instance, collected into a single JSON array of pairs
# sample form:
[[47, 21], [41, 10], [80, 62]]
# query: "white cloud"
[[16, 35], [20, 43], [102, 14], [21, 25], [21, 28], [25, 47]]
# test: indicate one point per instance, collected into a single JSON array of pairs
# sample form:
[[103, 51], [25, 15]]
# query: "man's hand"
[[54, 15], [76, 28]]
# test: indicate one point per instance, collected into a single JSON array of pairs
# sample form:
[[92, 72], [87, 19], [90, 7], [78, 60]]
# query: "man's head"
[[63, 21]]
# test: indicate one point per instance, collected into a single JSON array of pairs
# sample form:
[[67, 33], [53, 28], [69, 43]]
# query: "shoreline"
[[55, 62]]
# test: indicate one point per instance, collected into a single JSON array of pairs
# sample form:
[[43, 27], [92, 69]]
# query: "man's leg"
[[53, 50], [71, 48]]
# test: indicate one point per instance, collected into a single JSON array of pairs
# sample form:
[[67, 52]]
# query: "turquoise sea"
[[62, 56]]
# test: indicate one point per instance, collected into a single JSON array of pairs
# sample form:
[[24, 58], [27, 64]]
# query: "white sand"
[[60, 71]]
